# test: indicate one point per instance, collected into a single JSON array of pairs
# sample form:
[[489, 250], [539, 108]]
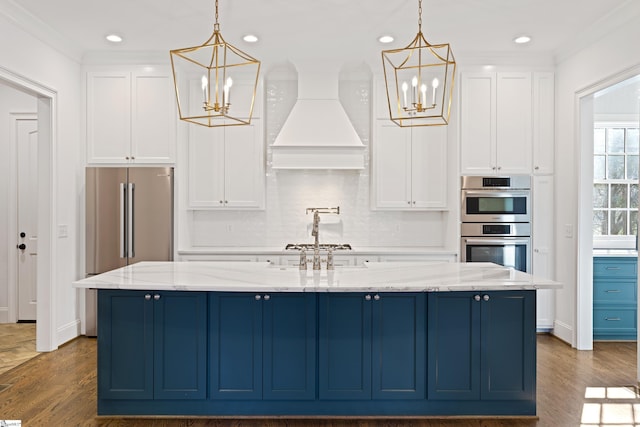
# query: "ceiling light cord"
[[419, 16]]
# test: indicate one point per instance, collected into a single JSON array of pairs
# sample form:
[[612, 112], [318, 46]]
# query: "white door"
[[27, 246]]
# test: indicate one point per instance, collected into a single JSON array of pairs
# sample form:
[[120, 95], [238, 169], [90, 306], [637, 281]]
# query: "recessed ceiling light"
[[522, 39], [385, 39], [114, 38], [250, 38]]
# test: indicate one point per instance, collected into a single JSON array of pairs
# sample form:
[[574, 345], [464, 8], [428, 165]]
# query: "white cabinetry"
[[409, 167], [496, 123], [543, 122], [131, 117], [226, 169], [542, 242]]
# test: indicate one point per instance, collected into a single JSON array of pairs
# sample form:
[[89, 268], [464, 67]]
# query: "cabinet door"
[[235, 355], [478, 124], [542, 241], [180, 341], [543, 122], [453, 365], [508, 346], [344, 365], [399, 347], [244, 176], [289, 346], [514, 123], [108, 117], [206, 167], [153, 124], [429, 167], [392, 166], [125, 345]]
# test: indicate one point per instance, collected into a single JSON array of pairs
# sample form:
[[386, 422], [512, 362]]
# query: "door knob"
[[22, 246], [23, 234]]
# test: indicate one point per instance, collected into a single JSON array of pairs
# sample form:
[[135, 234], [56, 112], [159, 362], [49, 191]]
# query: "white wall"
[[34, 60], [612, 54], [11, 101]]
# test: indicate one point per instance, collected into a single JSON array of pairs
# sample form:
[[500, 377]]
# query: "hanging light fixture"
[[419, 81], [204, 78]]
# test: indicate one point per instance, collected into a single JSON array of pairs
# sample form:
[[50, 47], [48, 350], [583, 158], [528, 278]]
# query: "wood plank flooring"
[[17, 344], [586, 389]]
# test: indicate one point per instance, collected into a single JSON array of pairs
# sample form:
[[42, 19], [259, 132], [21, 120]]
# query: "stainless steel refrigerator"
[[129, 218]]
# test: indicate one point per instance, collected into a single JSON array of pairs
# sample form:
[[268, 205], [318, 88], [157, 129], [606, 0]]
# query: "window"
[[615, 183]]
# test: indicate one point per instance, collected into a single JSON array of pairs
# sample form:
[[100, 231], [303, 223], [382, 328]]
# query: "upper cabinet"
[[409, 167], [506, 123], [131, 117], [226, 167]]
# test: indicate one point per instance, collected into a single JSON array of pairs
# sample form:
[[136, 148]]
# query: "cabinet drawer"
[[614, 291], [615, 268], [605, 319]]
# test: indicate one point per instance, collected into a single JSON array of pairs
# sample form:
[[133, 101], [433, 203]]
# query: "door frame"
[[13, 284], [47, 115], [583, 332]]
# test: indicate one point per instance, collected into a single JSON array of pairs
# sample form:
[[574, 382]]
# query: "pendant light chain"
[[419, 15], [216, 26]]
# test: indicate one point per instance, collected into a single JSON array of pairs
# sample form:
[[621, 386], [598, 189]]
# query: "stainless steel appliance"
[[129, 218], [496, 199], [496, 220]]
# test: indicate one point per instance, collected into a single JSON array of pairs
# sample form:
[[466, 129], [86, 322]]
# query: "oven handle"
[[507, 193], [496, 241]]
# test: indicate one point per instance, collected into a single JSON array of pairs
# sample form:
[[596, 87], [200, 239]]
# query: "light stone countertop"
[[625, 253], [264, 277]]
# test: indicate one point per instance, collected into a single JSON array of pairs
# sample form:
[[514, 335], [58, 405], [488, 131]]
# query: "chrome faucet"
[[316, 221]]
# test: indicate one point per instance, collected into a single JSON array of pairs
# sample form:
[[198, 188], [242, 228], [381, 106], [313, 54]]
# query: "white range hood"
[[318, 133]]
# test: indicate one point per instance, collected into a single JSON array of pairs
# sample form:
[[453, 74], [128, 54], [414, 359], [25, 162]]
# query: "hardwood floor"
[[17, 344], [575, 388]]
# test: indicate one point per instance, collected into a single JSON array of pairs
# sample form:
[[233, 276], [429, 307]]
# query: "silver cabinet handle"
[[485, 297], [476, 297], [612, 319], [258, 297], [147, 297], [156, 297], [130, 228], [123, 236], [613, 268], [367, 297], [267, 297], [613, 291], [376, 297]]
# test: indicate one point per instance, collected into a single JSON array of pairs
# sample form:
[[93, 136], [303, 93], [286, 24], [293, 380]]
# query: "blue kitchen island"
[[249, 339]]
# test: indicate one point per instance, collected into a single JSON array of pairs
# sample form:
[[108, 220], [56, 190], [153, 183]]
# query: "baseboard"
[[563, 331], [68, 332], [4, 314]]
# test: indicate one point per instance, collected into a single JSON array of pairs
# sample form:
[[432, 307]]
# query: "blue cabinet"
[[615, 298], [262, 346], [482, 346], [152, 345], [371, 346]]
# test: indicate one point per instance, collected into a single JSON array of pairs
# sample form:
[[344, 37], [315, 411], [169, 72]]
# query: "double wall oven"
[[496, 220]]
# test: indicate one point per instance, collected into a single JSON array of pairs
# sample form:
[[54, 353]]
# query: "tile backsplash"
[[290, 192]]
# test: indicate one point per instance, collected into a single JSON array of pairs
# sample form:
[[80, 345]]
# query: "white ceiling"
[[323, 29]]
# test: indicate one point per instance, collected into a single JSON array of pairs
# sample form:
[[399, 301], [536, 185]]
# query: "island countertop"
[[264, 277]]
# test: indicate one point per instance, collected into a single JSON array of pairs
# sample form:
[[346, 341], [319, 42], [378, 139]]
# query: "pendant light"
[[215, 82], [419, 81]]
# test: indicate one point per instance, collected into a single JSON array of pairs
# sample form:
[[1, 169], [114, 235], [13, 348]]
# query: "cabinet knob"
[[537, 167], [376, 297], [499, 167], [258, 297], [367, 297], [476, 297], [225, 202], [156, 297], [221, 202], [267, 297], [408, 202], [414, 202], [127, 158], [147, 297], [485, 297], [493, 168]]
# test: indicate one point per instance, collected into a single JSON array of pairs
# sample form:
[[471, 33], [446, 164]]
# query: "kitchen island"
[[251, 339]]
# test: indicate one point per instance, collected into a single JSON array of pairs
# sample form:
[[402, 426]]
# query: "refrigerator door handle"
[[130, 208], [123, 237]]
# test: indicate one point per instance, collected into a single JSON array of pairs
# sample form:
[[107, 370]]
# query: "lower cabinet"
[[316, 354], [262, 346], [152, 345], [371, 346], [482, 346]]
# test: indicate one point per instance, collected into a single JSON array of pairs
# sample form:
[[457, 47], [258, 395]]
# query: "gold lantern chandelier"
[[419, 81], [205, 78]]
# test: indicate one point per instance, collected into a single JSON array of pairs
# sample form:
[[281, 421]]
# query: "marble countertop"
[[264, 277], [356, 250], [628, 253]]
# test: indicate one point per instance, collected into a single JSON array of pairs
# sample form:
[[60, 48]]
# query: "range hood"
[[318, 133]]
